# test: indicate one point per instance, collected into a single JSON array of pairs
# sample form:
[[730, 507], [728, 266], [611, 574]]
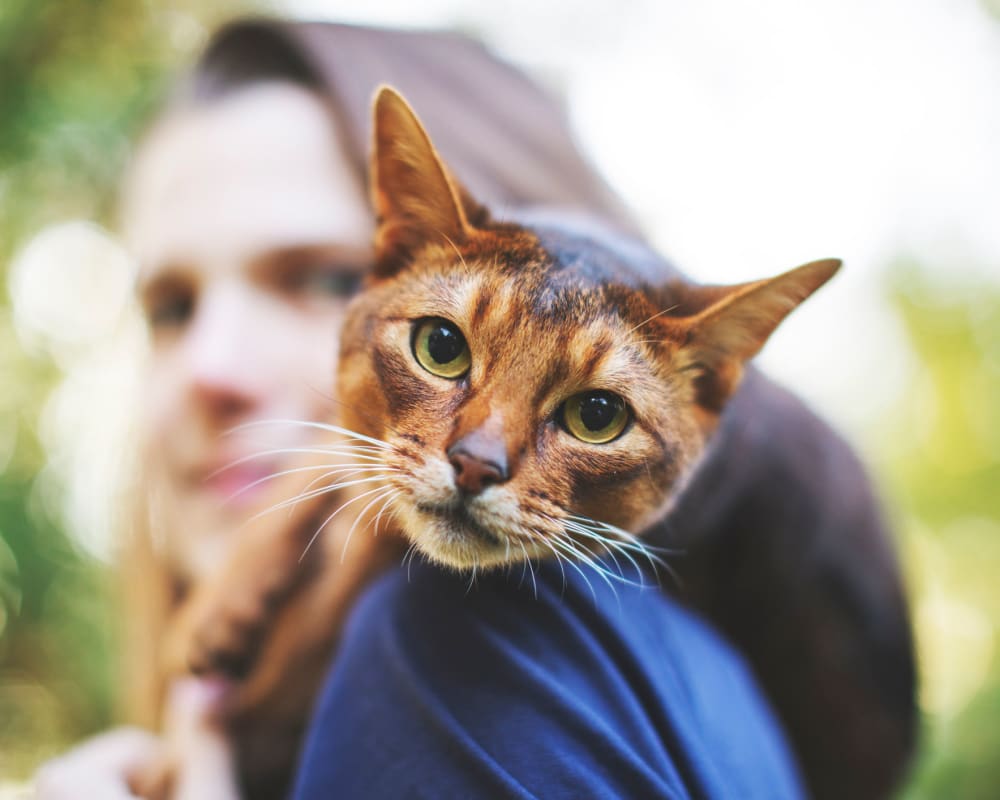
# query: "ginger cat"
[[506, 392]]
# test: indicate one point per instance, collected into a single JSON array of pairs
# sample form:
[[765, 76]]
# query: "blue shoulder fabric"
[[557, 687]]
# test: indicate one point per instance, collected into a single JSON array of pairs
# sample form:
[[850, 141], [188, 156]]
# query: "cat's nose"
[[472, 474], [477, 468]]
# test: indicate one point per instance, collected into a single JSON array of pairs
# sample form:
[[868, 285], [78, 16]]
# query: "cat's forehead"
[[546, 276], [582, 277], [599, 257]]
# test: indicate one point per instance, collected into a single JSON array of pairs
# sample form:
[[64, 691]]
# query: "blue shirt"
[[555, 687]]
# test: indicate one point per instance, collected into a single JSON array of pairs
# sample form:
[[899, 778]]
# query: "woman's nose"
[[225, 376]]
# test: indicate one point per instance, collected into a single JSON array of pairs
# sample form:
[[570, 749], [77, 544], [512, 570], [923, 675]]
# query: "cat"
[[507, 392]]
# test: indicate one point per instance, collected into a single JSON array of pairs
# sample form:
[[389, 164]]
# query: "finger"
[[204, 756]]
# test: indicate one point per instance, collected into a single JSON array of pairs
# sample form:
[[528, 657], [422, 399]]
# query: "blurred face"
[[251, 229]]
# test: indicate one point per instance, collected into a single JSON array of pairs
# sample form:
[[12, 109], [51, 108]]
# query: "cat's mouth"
[[458, 518]]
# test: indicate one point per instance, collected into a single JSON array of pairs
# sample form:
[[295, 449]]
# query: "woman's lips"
[[241, 484]]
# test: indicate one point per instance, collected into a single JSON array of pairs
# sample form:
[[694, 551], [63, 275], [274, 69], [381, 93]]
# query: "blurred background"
[[748, 137]]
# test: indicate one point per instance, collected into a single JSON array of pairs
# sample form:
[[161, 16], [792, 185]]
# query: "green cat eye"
[[440, 348], [595, 417]]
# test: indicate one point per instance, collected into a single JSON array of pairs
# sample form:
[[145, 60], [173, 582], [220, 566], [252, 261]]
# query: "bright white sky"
[[753, 137]]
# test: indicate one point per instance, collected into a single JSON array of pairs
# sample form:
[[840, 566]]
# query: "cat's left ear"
[[415, 199], [732, 329]]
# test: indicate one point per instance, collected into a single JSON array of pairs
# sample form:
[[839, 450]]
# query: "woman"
[[246, 209]]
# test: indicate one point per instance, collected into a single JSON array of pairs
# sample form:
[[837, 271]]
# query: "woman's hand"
[[106, 765], [194, 759]]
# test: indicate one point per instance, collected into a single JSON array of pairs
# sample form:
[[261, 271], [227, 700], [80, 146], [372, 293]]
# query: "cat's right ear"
[[734, 323], [415, 199]]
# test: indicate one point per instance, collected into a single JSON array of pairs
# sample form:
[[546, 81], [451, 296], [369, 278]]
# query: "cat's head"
[[536, 389]]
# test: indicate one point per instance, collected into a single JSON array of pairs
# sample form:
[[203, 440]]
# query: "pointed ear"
[[414, 197], [733, 327]]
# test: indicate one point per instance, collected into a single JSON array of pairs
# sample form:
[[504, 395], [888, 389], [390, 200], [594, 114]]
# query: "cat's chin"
[[452, 538]]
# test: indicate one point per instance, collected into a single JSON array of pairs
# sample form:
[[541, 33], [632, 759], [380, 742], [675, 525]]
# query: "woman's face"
[[251, 230]]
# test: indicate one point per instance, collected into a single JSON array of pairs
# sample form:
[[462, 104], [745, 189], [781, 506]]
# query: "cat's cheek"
[[706, 420], [624, 484]]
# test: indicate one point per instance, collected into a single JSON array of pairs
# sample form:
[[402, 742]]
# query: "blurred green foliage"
[[77, 80], [939, 455]]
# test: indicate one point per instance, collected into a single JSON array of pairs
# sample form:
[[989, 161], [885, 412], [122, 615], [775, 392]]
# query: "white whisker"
[[625, 536], [351, 471], [387, 491], [318, 425], [650, 319], [288, 451], [569, 525], [591, 560], [630, 541], [339, 508], [381, 511], [572, 562], [531, 570], [329, 489], [472, 580], [408, 559], [278, 474], [610, 546], [541, 537], [647, 551]]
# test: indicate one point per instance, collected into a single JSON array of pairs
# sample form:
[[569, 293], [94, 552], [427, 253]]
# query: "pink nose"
[[473, 474]]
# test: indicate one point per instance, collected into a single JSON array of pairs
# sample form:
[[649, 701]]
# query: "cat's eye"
[[595, 417], [440, 348]]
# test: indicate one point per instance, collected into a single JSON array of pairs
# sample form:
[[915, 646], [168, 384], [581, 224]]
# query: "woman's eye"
[[340, 283], [331, 282], [170, 310], [595, 417], [440, 348]]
